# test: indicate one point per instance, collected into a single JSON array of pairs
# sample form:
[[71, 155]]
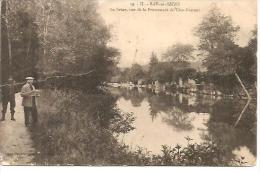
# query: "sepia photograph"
[[128, 83]]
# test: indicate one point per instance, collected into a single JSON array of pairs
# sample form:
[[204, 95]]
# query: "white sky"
[[156, 31]]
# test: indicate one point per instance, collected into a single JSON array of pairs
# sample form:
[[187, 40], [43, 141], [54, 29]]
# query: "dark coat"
[[8, 93]]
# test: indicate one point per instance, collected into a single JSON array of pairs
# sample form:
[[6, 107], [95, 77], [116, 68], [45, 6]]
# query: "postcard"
[[128, 83]]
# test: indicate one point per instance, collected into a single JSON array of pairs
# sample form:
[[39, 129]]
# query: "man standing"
[[29, 94], [8, 95]]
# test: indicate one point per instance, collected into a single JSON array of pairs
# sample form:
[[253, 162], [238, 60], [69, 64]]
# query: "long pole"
[[242, 112], [249, 98], [55, 77], [243, 86]]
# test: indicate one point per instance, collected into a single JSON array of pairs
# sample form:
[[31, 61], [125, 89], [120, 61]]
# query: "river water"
[[167, 118]]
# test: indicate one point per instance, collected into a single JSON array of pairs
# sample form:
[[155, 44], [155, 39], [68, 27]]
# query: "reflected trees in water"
[[181, 112], [179, 120]]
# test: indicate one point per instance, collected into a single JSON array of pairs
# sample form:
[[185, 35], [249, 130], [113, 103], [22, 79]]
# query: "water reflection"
[[179, 120], [168, 118]]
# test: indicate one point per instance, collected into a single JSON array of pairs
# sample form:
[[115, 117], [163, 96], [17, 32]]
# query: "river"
[[168, 118]]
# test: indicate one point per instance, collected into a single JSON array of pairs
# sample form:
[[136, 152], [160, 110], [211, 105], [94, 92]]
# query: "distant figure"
[[29, 94], [8, 95]]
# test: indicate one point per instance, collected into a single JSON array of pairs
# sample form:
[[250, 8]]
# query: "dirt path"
[[16, 145]]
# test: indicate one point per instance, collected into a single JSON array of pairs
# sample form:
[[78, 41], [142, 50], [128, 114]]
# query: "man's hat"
[[29, 78]]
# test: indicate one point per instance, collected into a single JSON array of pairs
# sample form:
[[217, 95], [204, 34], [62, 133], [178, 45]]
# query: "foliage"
[[122, 122], [205, 154], [21, 30], [153, 61], [59, 36], [215, 29], [248, 62], [161, 72], [78, 128], [76, 41], [175, 64], [217, 33], [223, 57], [124, 75], [179, 53], [133, 74]]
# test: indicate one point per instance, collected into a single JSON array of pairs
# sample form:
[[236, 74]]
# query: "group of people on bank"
[[29, 102]]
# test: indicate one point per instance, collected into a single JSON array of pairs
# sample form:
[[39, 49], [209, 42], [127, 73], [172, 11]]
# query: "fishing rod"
[[67, 75], [52, 77]]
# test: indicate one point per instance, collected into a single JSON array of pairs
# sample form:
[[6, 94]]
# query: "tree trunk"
[[0, 44], [46, 15], [9, 53], [29, 45], [9, 42]]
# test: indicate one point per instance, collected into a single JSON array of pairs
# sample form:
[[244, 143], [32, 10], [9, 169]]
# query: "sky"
[[137, 34]]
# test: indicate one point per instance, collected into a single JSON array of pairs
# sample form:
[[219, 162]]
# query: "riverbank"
[[184, 90]]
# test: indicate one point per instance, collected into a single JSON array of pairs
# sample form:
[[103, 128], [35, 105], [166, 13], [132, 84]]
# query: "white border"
[[104, 169]]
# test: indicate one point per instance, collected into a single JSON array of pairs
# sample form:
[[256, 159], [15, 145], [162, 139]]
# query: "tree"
[[153, 61], [136, 72], [214, 29], [76, 41], [59, 36], [250, 60], [25, 44], [217, 34], [179, 57], [162, 72], [4, 46], [19, 41], [179, 53], [124, 75]]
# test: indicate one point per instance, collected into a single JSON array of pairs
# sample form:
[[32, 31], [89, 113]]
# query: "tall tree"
[[4, 46], [217, 35], [214, 29], [152, 66], [75, 39], [179, 56], [153, 61], [20, 38]]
